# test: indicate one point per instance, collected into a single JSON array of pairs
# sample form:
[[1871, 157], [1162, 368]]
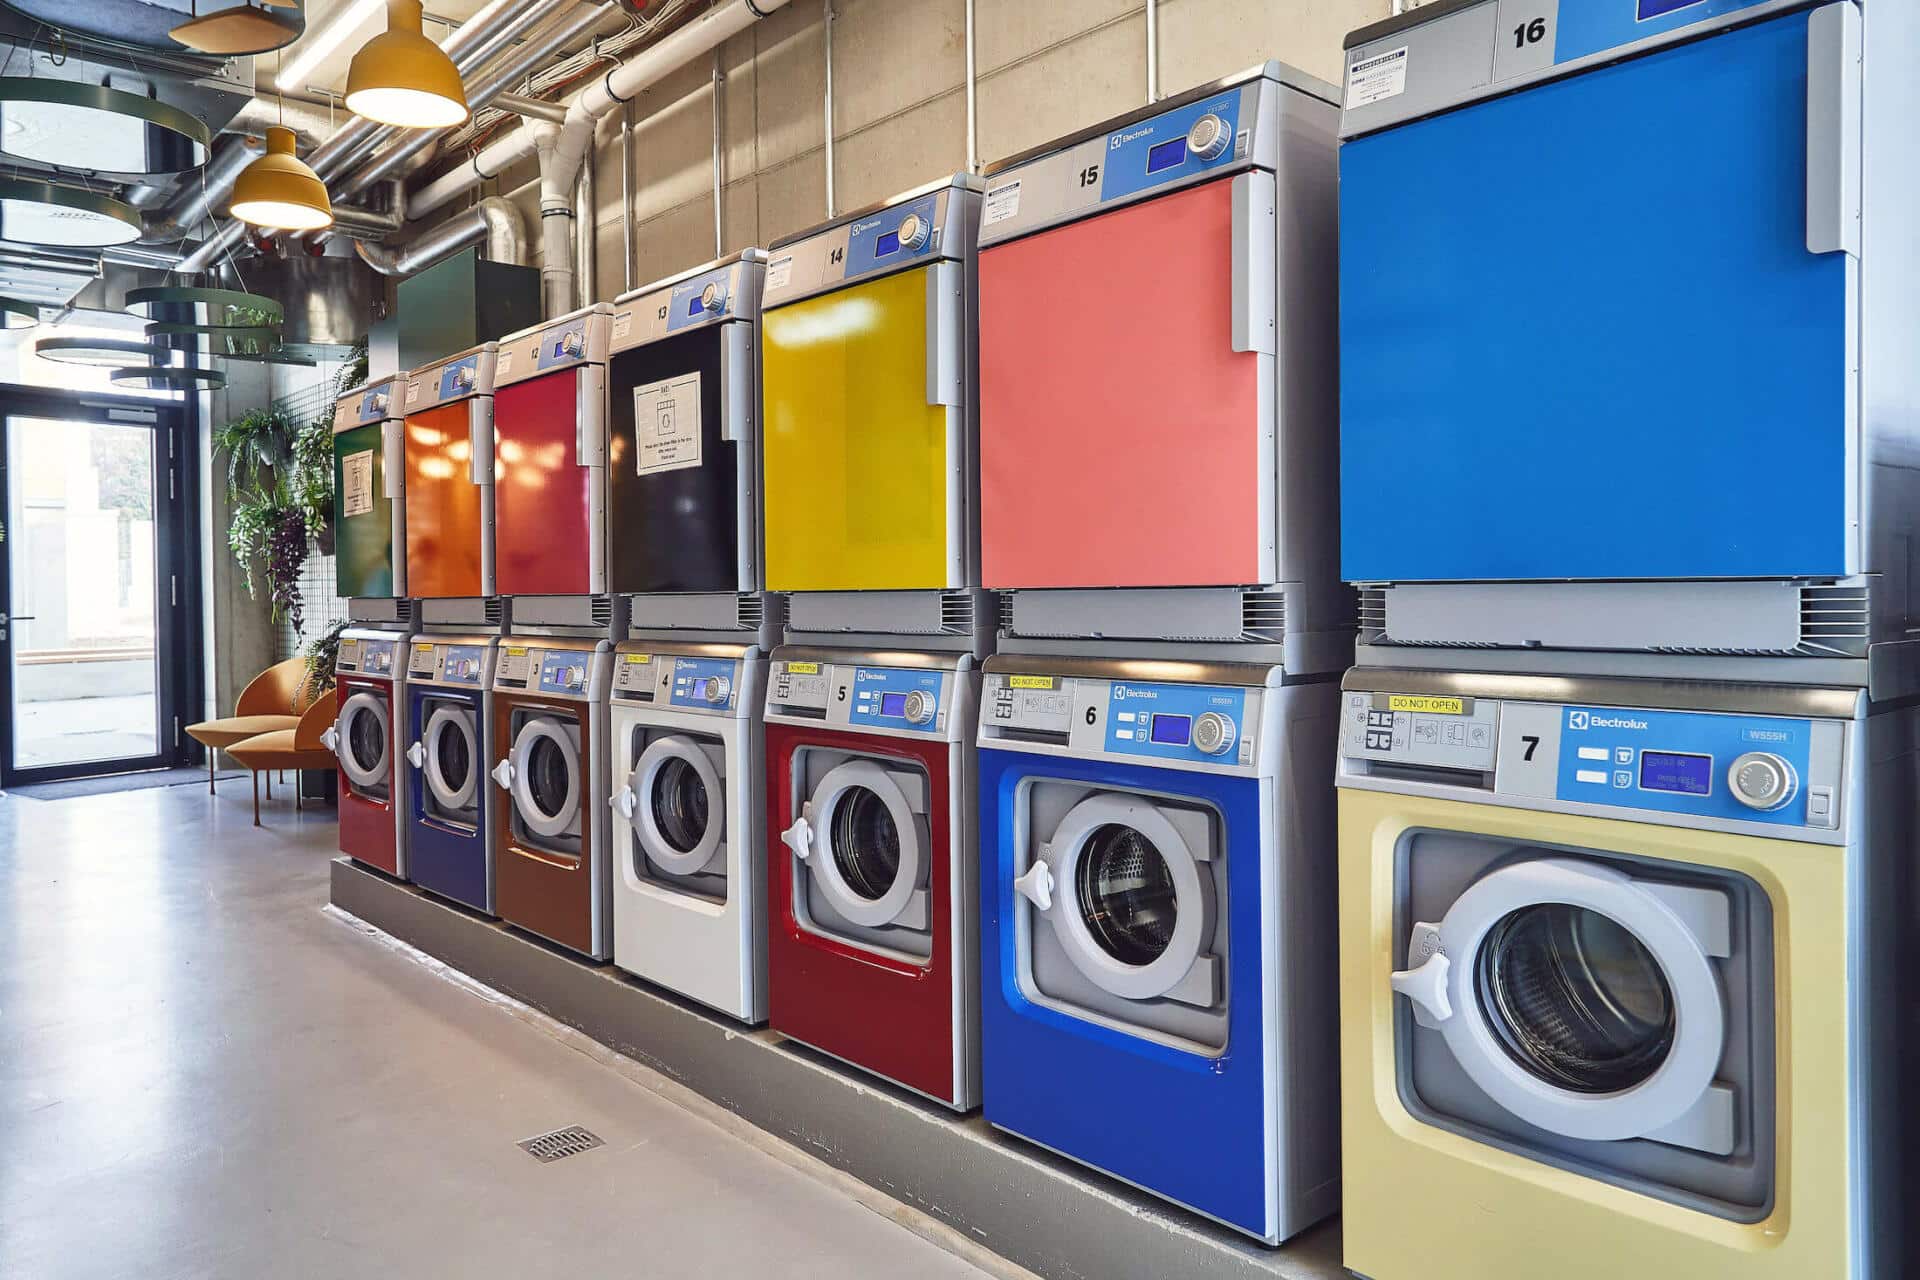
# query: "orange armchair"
[[296, 748], [272, 700]]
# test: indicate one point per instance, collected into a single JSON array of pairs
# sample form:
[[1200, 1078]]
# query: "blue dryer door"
[[1583, 336]]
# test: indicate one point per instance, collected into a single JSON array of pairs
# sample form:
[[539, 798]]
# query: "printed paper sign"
[[356, 483], [413, 393], [622, 325], [1001, 203], [666, 424], [505, 365], [1378, 78], [779, 271]]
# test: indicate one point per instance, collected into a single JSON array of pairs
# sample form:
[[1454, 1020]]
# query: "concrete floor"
[[204, 1075]]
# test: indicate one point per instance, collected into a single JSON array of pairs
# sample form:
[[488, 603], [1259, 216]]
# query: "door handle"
[[416, 755], [1426, 989], [799, 838], [622, 802], [503, 774], [1253, 265], [1833, 130], [480, 441], [946, 335], [393, 459], [590, 416], [1036, 886], [330, 738]]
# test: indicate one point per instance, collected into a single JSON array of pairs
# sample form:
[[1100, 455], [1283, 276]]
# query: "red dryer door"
[[367, 832], [1122, 442], [542, 496]]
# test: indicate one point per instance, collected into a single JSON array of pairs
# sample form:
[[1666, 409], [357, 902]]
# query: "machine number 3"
[[1529, 33]]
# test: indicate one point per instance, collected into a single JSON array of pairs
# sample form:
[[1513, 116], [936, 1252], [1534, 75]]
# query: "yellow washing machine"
[[1621, 970], [868, 384]]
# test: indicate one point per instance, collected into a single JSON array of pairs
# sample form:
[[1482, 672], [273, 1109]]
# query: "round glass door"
[[363, 739], [679, 810], [1127, 895], [871, 848], [453, 757], [546, 776]]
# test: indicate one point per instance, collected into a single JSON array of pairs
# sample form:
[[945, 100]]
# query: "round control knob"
[[713, 298], [914, 231], [1762, 780], [572, 676], [463, 377], [574, 343], [1208, 138], [716, 690], [920, 707], [1214, 733]]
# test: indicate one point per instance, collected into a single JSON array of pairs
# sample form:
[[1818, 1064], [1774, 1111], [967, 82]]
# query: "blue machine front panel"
[[443, 858], [1155, 721], [553, 345], [563, 671], [373, 404], [457, 378], [684, 309], [1591, 26], [1600, 349], [464, 664], [875, 242], [693, 678], [1154, 152], [1063, 1081], [1674, 761], [880, 697]]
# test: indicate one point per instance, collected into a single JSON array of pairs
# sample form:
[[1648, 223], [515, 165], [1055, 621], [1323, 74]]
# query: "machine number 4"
[[1529, 33]]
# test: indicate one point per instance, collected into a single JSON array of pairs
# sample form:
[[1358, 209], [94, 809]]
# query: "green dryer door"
[[362, 513]]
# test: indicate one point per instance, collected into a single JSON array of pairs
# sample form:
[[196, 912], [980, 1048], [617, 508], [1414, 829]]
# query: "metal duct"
[[494, 218], [183, 216]]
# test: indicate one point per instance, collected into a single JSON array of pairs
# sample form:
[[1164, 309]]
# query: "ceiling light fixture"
[[243, 29], [71, 125], [44, 213], [107, 353], [319, 45], [214, 308], [279, 190], [402, 78]]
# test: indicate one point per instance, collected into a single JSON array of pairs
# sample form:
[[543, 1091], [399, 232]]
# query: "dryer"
[[1156, 928], [687, 787], [366, 736], [369, 493], [449, 817], [1623, 977], [449, 476], [872, 948], [548, 743], [550, 458]]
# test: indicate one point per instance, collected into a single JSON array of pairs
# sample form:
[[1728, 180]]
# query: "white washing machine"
[[689, 851]]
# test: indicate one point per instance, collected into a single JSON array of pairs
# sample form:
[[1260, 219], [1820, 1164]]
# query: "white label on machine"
[[666, 424], [356, 483], [1378, 78], [779, 271], [622, 325], [413, 392], [1001, 203], [505, 366]]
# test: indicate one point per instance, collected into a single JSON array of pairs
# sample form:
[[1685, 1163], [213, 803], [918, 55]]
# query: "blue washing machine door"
[[1583, 336], [447, 813]]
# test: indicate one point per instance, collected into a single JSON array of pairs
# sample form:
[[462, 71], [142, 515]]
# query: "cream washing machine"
[[1623, 978], [686, 783]]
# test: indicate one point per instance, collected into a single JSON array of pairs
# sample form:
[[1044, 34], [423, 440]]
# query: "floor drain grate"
[[561, 1143]]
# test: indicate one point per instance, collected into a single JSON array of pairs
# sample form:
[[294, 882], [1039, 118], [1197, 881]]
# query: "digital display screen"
[[1660, 8], [559, 347], [693, 305], [1684, 773], [893, 704], [1166, 155], [1172, 731], [889, 242]]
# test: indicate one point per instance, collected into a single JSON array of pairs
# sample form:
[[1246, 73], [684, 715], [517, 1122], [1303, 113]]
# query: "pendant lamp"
[[402, 78], [279, 190]]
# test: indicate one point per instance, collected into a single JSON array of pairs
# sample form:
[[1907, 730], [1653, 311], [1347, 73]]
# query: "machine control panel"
[[728, 290], [685, 682], [445, 663], [918, 227], [578, 339], [371, 403], [524, 667], [368, 655], [563, 672], [1725, 767], [1155, 721], [463, 376], [912, 701]]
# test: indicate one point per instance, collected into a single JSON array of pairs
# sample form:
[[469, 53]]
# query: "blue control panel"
[[880, 697], [1675, 761], [464, 664], [1594, 26], [703, 684], [563, 671], [376, 657], [458, 378], [686, 307], [373, 405], [562, 345], [874, 242], [1154, 152], [1155, 721]]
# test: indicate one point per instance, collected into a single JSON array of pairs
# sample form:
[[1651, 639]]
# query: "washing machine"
[[369, 492], [1700, 273], [550, 457], [548, 740], [366, 736], [448, 432], [1624, 978], [686, 784], [872, 944], [449, 827], [683, 457], [1197, 234], [868, 377], [1157, 928]]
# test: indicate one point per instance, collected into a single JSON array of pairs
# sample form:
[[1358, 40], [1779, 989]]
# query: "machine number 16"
[[1529, 33]]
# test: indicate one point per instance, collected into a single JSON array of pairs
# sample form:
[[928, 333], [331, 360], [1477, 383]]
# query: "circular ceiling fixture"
[[261, 336], [278, 355], [279, 190], [16, 314], [166, 378], [110, 353], [242, 29], [43, 213], [212, 308], [69, 125], [402, 78]]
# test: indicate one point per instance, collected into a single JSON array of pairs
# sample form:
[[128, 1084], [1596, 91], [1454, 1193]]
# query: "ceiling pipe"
[[494, 219], [531, 108], [182, 217]]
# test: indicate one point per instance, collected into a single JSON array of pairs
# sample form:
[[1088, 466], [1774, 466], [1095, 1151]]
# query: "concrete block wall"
[[1044, 68]]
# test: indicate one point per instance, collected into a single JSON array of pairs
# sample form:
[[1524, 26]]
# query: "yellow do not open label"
[[1430, 705]]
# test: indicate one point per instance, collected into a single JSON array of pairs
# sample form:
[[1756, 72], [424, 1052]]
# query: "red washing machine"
[[550, 457], [873, 954], [364, 737]]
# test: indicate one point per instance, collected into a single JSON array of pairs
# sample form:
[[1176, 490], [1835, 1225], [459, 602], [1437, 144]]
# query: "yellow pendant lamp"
[[279, 190], [402, 78]]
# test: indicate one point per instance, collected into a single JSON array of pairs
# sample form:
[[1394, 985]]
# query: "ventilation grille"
[[493, 609], [603, 611], [957, 613], [1373, 614], [560, 1144], [1263, 616], [752, 613]]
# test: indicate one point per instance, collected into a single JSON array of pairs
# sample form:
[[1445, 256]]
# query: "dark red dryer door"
[[542, 496], [367, 831]]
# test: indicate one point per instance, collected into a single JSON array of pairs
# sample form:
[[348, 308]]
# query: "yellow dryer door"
[[858, 464]]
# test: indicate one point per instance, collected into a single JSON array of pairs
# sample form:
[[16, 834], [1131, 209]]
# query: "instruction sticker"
[[622, 325], [1378, 78], [779, 271], [1422, 702], [505, 365], [1002, 202], [666, 424], [421, 663], [413, 392], [356, 483]]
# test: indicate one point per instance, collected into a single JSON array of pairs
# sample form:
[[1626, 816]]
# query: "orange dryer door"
[[443, 505], [1122, 442]]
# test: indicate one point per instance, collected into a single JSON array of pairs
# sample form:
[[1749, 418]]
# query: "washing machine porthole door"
[[546, 776], [453, 757], [679, 811], [1578, 998], [363, 739], [1132, 904], [870, 854]]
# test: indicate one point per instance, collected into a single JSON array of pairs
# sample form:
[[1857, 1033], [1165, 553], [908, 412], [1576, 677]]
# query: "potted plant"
[[312, 480], [269, 532]]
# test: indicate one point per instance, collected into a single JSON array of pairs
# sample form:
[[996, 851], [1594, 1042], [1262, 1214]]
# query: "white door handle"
[[1426, 988], [622, 800], [503, 774], [330, 738], [416, 755], [799, 838], [1036, 886]]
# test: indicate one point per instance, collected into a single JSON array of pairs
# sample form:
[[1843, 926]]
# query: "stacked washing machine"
[[871, 530], [1628, 765], [1157, 457], [684, 773]]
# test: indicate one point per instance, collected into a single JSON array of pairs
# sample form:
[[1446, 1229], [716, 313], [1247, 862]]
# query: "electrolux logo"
[[861, 228], [1121, 693], [1120, 140], [862, 675], [1588, 720]]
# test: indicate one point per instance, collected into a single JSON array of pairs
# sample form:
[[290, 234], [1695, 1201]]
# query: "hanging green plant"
[[255, 444], [268, 536], [312, 480], [321, 654]]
